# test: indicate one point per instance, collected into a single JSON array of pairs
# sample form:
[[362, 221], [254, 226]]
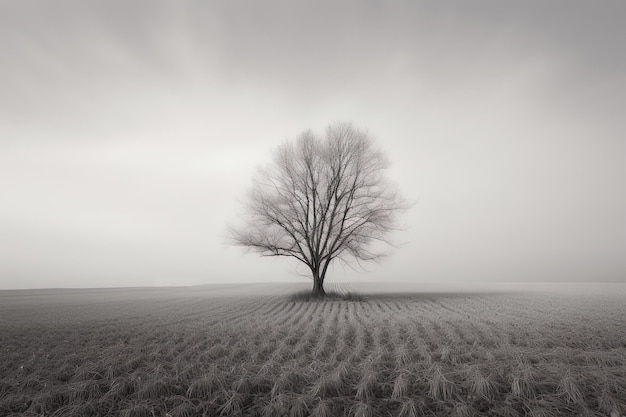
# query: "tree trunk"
[[318, 285]]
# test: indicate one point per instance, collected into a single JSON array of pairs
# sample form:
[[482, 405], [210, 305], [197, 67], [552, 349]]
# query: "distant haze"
[[130, 132]]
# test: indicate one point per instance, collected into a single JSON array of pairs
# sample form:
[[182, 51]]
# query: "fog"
[[130, 132]]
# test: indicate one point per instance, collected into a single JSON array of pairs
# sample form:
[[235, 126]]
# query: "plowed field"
[[256, 350]]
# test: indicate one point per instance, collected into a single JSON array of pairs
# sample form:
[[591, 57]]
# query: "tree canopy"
[[322, 199]]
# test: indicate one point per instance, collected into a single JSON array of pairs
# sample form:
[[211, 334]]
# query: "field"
[[258, 350]]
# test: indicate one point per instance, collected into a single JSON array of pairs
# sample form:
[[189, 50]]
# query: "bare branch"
[[322, 199]]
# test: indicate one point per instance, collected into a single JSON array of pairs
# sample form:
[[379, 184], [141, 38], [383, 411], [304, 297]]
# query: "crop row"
[[269, 354]]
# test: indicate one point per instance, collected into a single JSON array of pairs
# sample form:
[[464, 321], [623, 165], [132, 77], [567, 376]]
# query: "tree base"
[[318, 288]]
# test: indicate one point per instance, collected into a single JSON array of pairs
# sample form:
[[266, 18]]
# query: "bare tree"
[[321, 199]]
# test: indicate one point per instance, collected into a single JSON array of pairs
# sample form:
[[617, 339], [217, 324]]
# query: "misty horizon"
[[130, 133]]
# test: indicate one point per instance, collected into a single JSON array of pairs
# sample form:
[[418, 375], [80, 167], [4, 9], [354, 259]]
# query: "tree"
[[321, 199]]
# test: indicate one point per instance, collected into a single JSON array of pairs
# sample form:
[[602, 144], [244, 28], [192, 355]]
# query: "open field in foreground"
[[252, 350]]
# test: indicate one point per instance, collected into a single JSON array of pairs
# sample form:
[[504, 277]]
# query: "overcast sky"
[[130, 130]]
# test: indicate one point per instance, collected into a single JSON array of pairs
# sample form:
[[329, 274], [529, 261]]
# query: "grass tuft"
[[440, 388], [274, 408], [568, 388], [409, 409], [137, 410], [290, 381], [445, 352], [184, 409], [243, 385], [525, 381], [607, 404], [153, 388], [232, 406], [481, 385], [367, 386], [323, 409], [538, 411], [329, 385], [361, 410], [403, 358], [521, 388], [506, 411], [462, 410], [14, 403], [205, 387], [54, 400], [298, 408], [401, 387], [217, 351]]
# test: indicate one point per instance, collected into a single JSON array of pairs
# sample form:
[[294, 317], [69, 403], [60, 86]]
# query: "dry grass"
[[401, 387], [205, 386], [570, 390], [331, 385], [323, 409], [481, 385], [266, 354], [409, 409]]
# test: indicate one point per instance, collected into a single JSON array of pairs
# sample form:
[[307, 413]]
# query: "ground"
[[256, 349]]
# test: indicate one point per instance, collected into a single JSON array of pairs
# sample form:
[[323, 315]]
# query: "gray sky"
[[129, 130]]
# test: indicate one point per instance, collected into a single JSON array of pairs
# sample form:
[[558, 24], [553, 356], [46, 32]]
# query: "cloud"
[[128, 130]]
